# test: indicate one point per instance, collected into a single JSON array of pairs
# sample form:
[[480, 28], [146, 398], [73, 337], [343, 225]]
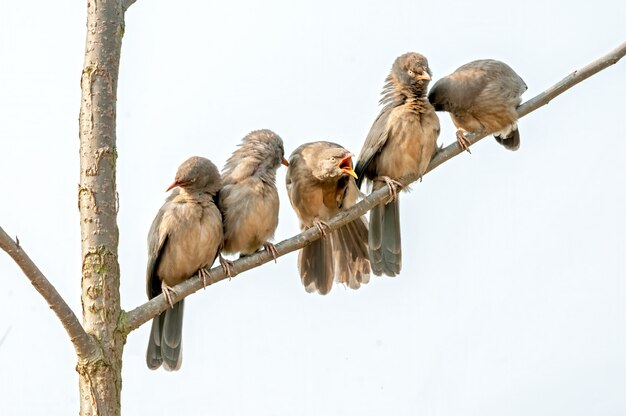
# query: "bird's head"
[[197, 174], [436, 96], [411, 71], [267, 146], [260, 154], [334, 163]]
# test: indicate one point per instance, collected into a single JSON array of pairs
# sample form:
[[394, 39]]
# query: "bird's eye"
[[411, 73], [332, 159]]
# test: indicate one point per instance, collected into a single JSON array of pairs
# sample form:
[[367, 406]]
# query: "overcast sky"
[[512, 297]]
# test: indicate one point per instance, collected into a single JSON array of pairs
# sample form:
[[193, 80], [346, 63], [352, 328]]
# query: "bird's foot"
[[227, 265], [168, 292], [394, 187], [269, 247], [462, 140], [204, 274], [321, 225]]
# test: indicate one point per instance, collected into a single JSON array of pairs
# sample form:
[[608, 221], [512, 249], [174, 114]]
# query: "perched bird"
[[249, 199], [184, 239], [400, 144], [320, 183], [481, 97]]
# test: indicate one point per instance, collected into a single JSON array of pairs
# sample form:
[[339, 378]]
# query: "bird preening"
[[208, 214], [249, 198], [481, 97]]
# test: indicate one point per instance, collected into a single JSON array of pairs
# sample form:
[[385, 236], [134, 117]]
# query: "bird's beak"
[[424, 76], [346, 166], [173, 185], [284, 162]]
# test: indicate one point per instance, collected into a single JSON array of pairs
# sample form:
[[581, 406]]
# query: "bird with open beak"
[[320, 183], [249, 198], [184, 240], [400, 144], [482, 97]]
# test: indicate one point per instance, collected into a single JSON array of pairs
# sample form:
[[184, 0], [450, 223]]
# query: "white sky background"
[[512, 298]]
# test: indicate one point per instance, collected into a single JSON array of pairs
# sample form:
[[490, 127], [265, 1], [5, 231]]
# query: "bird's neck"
[[200, 196], [417, 104], [404, 96]]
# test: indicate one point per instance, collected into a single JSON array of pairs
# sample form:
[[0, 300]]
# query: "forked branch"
[[84, 344]]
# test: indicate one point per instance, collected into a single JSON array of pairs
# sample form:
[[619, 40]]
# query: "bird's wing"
[[295, 165], [296, 172], [223, 201], [376, 139], [465, 85], [489, 77], [305, 193], [222, 195], [513, 85], [157, 240]]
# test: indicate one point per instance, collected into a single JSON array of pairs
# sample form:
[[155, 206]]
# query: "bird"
[[184, 240], [248, 199], [399, 145], [481, 97], [320, 183]]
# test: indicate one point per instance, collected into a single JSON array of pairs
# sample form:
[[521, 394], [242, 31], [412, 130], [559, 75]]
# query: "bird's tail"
[[352, 265], [315, 263], [385, 245], [165, 343], [509, 137]]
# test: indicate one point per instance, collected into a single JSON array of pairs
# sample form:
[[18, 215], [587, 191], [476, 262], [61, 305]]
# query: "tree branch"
[[141, 314], [100, 382], [126, 4], [84, 344], [572, 79]]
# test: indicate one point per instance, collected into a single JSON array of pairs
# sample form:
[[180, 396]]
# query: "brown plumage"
[[184, 239], [481, 97], [401, 143], [320, 183], [249, 199]]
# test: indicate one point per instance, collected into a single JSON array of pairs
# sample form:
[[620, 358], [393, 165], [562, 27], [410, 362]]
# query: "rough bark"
[[100, 380]]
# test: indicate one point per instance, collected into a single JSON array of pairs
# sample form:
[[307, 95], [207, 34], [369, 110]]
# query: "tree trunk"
[[100, 379]]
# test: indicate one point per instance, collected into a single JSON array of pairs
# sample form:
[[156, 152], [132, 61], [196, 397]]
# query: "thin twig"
[[84, 344], [6, 334], [141, 314]]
